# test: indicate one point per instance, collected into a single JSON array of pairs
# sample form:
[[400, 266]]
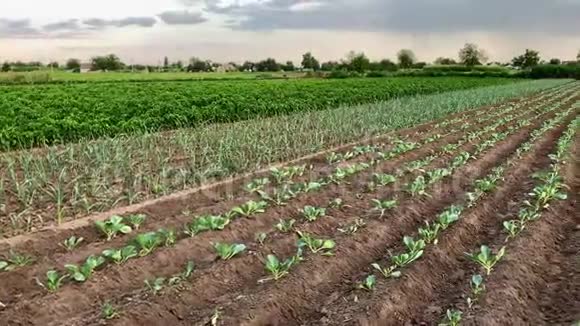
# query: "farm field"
[[36, 115], [374, 231]]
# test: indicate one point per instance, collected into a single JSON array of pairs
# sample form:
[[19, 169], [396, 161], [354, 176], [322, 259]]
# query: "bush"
[[556, 71], [376, 74]]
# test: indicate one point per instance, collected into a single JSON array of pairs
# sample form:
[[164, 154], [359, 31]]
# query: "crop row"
[[42, 188], [549, 188], [310, 242], [69, 113]]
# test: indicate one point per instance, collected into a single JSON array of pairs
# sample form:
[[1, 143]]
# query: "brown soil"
[[315, 290]]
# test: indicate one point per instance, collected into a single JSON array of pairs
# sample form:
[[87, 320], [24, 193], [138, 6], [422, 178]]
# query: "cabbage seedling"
[[384, 205], [227, 251], [368, 283], [387, 271], [279, 196], [155, 285], [71, 243], [257, 184], [113, 226], [418, 187], [260, 237], [277, 268], [449, 216], [18, 260], [84, 272], [412, 245], [147, 242], [136, 220], [188, 271], [333, 158], [513, 228], [312, 186], [486, 258], [461, 159], [3, 265], [206, 223], [316, 245], [452, 318], [353, 227], [437, 175], [477, 286], [53, 281], [250, 208], [120, 256], [337, 203], [312, 213], [430, 232], [406, 258], [168, 237], [384, 179], [108, 311], [285, 225]]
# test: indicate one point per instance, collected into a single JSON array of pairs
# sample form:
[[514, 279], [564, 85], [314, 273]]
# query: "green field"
[[50, 114]]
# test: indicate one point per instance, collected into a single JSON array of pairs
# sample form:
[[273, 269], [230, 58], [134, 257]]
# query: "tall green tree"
[[109, 62], [406, 58], [529, 59], [472, 55], [73, 64], [310, 62]]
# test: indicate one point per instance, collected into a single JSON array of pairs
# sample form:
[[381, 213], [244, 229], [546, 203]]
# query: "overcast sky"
[[144, 31]]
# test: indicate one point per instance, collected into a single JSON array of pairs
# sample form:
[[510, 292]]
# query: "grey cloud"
[[182, 17], [17, 28], [560, 16], [67, 25], [98, 23]]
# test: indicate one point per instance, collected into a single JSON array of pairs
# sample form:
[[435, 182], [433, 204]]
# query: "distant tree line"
[[470, 55]]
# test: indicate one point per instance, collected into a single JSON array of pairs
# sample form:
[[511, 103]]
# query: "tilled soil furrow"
[[318, 276], [431, 284], [536, 266], [249, 269], [19, 278]]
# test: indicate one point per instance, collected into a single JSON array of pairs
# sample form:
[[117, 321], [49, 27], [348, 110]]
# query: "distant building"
[[85, 67], [228, 67]]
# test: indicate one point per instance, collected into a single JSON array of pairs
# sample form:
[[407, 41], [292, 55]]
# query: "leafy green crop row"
[[36, 115]]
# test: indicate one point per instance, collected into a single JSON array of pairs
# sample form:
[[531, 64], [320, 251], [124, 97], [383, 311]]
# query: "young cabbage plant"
[[261, 237], [452, 318], [72, 243], [279, 269], [280, 196], [430, 232], [206, 223], [84, 272], [316, 245], [353, 227], [227, 251], [333, 158], [113, 226], [368, 283], [384, 205], [513, 228], [167, 237], [186, 274], [384, 179], [406, 258], [4, 266], [147, 242], [461, 159], [528, 213], [120, 256], [477, 286], [387, 272], [545, 193], [155, 285], [257, 184], [108, 311], [413, 246], [337, 203], [312, 213], [449, 216], [285, 225], [418, 187], [136, 220], [250, 208], [486, 258], [437, 175], [17, 260], [312, 186], [53, 281]]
